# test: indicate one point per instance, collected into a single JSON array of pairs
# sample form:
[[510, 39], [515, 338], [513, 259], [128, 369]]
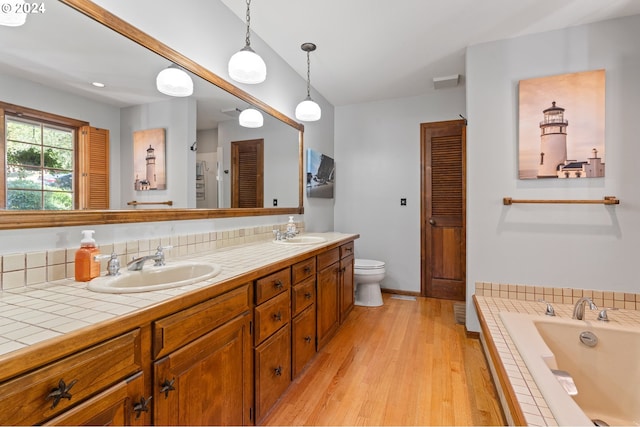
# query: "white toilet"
[[367, 275]]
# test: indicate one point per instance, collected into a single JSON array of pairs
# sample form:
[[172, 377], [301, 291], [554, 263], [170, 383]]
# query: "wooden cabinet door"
[[273, 370], [303, 339], [347, 291], [327, 303], [124, 404], [209, 381]]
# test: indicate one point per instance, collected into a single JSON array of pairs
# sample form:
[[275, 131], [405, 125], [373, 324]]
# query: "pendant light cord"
[[308, 76], [247, 38]]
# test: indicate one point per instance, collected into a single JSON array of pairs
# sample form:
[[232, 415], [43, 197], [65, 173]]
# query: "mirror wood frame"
[[40, 219]]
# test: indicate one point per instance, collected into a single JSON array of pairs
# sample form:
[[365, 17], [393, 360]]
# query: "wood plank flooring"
[[414, 366]]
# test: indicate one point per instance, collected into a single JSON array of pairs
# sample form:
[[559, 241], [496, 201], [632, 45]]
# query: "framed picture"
[[321, 172], [149, 160], [561, 126]]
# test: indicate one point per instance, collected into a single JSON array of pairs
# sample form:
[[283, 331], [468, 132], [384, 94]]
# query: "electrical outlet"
[[403, 202], [275, 202]]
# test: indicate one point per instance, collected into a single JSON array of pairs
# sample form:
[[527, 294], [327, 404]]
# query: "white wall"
[[209, 33], [583, 246], [377, 163], [178, 117]]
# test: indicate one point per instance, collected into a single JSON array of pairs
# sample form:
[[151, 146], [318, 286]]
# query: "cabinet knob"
[[278, 371], [307, 269], [142, 406], [432, 221], [167, 386], [278, 284], [307, 339], [277, 316], [61, 392], [308, 295]]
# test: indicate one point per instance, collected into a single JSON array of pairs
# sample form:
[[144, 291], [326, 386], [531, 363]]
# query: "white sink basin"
[[152, 278], [302, 240]]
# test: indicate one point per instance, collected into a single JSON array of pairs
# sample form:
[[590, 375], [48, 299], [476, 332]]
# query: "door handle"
[[432, 221]]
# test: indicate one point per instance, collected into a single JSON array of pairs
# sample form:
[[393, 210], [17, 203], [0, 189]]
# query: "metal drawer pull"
[[278, 371], [142, 406], [167, 386], [308, 295], [62, 392], [278, 284], [307, 269], [307, 339], [277, 316]]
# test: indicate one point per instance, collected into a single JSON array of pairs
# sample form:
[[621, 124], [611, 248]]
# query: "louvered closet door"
[[93, 172], [247, 170], [443, 209]]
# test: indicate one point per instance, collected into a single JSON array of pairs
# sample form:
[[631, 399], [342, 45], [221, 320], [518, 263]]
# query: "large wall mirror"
[[49, 66]]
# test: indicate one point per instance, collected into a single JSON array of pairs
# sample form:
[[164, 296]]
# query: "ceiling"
[[370, 50]]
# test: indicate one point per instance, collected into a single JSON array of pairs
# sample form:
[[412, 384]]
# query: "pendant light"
[[246, 66], [12, 14], [251, 118], [308, 110], [174, 81]]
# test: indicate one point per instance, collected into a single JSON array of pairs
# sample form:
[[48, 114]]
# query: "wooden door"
[[93, 171], [443, 194], [207, 382], [247, 174]]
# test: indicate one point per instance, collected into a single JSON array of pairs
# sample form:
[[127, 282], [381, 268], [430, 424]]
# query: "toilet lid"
[[368, 264]]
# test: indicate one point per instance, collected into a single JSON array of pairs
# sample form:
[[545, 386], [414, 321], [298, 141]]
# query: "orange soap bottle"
[[86, 265]]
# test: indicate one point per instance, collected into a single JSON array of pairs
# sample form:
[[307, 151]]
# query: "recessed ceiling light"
[[98, 84]]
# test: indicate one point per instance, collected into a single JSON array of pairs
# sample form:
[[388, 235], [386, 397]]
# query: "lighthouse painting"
[[561, 126], [149, 160]]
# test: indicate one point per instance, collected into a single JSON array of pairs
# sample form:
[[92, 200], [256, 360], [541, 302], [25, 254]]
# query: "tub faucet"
[[578, 309]]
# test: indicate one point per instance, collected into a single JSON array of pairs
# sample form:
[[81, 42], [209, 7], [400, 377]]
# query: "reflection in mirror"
[[49, 65]]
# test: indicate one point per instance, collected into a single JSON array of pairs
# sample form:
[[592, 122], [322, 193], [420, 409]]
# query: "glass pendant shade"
[[246, 66], [11, 18], [308, 111], [173, 81], [251, 118]]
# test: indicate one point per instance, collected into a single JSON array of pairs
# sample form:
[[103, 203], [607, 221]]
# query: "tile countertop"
[[35, 313], [534, 408]]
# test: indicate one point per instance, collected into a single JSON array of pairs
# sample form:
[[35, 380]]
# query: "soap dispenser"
[[86, 265], [291, 225]]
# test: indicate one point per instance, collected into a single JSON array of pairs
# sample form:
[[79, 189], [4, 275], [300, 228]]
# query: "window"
[[39, 159]]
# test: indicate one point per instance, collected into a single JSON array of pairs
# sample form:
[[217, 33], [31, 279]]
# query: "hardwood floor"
[[413, 366]]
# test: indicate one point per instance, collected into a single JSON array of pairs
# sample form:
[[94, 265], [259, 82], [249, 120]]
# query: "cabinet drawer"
[[346, 250], [273, 371], [272, 285], [172, 332], [304, 294], [302, 270], [25, 399], [303, 336], [327, 258], [271, 316]]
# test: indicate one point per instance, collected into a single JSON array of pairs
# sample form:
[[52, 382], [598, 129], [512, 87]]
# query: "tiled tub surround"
[[521, 390], [26, 269], [32, 314]]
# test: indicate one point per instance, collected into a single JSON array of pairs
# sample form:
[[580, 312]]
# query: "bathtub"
[[607, 376]]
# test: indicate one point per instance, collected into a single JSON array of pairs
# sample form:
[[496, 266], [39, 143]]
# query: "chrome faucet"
[[284, 235], [113, 266], [137, 263], [578, 309]]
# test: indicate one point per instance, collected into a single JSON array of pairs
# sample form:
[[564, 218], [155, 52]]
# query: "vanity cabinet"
[[328, 296], [347, 285], [206, 376], [53, 389], [123, 404], [303, 314], [272, 339]]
